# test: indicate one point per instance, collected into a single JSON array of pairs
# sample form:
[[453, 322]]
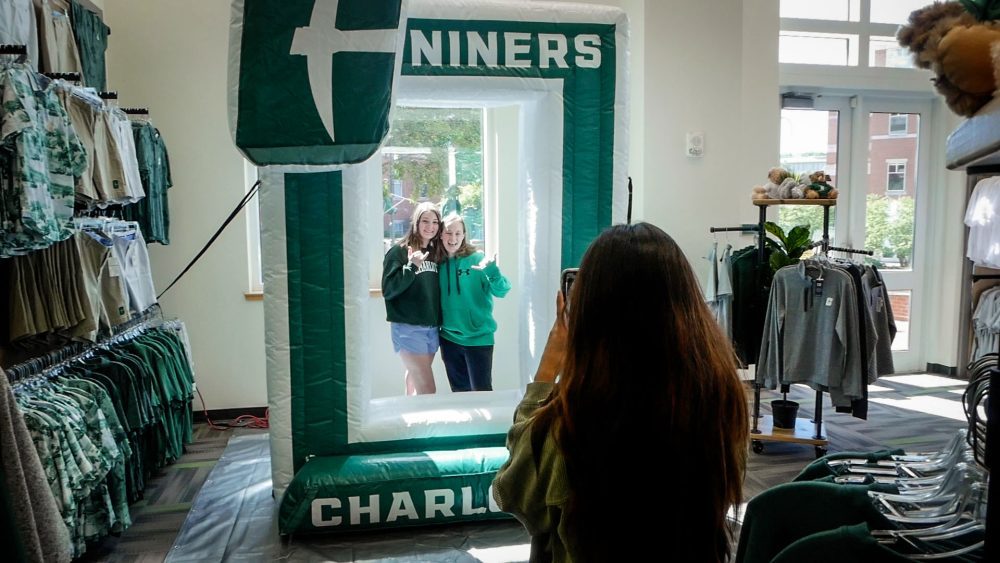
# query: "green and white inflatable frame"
[[311, 86]]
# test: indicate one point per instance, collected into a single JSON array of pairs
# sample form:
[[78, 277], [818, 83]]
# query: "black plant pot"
[[784, 413]]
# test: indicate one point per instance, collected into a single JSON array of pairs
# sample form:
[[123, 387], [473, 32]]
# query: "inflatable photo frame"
[[312, 85]]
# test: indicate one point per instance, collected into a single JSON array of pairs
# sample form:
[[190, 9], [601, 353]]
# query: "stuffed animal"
[[777, 175], [819, 186], [954, 40], [781, 184]]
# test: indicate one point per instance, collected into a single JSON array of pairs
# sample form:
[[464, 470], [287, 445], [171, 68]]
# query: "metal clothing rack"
[[13, 49], [762, 428], [993, 406], [76, 350], [71, 76], [851, 250], [741, 229]]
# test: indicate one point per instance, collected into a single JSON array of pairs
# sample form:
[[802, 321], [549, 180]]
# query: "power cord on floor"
[[242, 421]]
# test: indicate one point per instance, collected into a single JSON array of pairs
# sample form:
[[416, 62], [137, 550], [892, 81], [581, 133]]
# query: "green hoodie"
[[467, 299]]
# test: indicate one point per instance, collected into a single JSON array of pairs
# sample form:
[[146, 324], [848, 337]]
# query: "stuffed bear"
[[819, 186], [781, 184], [956, 46]]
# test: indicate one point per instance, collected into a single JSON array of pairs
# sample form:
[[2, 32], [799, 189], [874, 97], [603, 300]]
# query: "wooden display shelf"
[[803, 433], [768, 202]]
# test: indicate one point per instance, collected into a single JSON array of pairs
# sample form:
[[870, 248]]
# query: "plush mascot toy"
[[960, 43]]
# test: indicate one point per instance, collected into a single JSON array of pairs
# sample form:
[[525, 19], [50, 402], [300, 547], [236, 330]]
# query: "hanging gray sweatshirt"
[[811, 332]]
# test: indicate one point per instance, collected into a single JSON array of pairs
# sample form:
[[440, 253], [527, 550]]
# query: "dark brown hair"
[[413, 239], [649, 376]]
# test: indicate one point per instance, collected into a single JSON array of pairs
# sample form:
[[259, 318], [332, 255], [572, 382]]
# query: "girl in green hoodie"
[[468, 284]]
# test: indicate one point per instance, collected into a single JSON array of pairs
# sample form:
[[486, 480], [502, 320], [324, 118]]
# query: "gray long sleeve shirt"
[[810, 335]]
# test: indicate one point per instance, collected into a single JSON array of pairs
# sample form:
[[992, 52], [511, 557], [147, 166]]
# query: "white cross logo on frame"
[[321, 40]]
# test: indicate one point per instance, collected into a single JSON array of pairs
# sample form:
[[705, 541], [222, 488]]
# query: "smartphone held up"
[[568, 277]]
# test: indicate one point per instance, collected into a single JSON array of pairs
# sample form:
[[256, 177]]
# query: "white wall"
[[946, 208], [172, 58], [706, 71]]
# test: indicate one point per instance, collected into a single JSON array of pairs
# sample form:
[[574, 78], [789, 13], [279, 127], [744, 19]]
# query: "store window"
[[895, 182], [897, 123], [255, 287], [839, 32], [433, 154]]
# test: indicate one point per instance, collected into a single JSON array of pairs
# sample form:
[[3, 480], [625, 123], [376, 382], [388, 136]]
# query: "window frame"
[[861, 32], [489, 195], [255, 271], [889, 163], [906, 124]]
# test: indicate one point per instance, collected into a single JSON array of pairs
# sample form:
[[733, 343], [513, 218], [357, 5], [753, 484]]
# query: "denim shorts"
[[414, 339]]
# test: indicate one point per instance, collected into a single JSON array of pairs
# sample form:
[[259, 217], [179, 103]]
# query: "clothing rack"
[[763, 426], [851, 250], [136, 111], [77, 350], [20, 50], [108, 95], [11, 49], [742, 229], [71, 76], [992, 408], [975, 148]]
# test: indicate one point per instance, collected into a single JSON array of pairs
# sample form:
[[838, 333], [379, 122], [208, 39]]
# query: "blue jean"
[[470, 368]]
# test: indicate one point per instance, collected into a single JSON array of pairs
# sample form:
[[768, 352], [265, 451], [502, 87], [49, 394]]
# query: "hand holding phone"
[[568, 277]]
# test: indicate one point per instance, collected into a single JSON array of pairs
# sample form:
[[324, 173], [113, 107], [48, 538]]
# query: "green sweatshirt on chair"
[[467, 299]]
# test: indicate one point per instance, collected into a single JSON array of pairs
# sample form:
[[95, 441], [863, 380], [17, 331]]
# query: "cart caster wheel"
[[757, 446], [820, 452]]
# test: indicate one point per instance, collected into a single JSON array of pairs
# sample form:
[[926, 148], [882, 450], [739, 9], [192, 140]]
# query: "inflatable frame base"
[[392, 490]]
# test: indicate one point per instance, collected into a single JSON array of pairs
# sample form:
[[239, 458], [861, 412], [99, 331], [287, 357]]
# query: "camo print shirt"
[[42, 155]]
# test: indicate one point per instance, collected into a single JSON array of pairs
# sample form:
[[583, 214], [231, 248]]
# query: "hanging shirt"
[[983, 219], [92, 41], [811, 332], [724, 292]]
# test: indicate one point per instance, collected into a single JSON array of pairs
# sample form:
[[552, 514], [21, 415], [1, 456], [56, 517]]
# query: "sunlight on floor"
[[931, 405], [502, 554], [924, 380]]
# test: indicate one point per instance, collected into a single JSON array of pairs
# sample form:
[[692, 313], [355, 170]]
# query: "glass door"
[[891, 171], [874, 151]]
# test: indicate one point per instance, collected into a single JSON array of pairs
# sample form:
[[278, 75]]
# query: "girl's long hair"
[[413, 239], [649, 376]]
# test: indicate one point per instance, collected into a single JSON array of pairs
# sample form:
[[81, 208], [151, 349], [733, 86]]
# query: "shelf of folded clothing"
[[768, 202], [976, 142]]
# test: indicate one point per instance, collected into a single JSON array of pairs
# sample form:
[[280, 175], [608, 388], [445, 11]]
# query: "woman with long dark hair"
[[644, 373]]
